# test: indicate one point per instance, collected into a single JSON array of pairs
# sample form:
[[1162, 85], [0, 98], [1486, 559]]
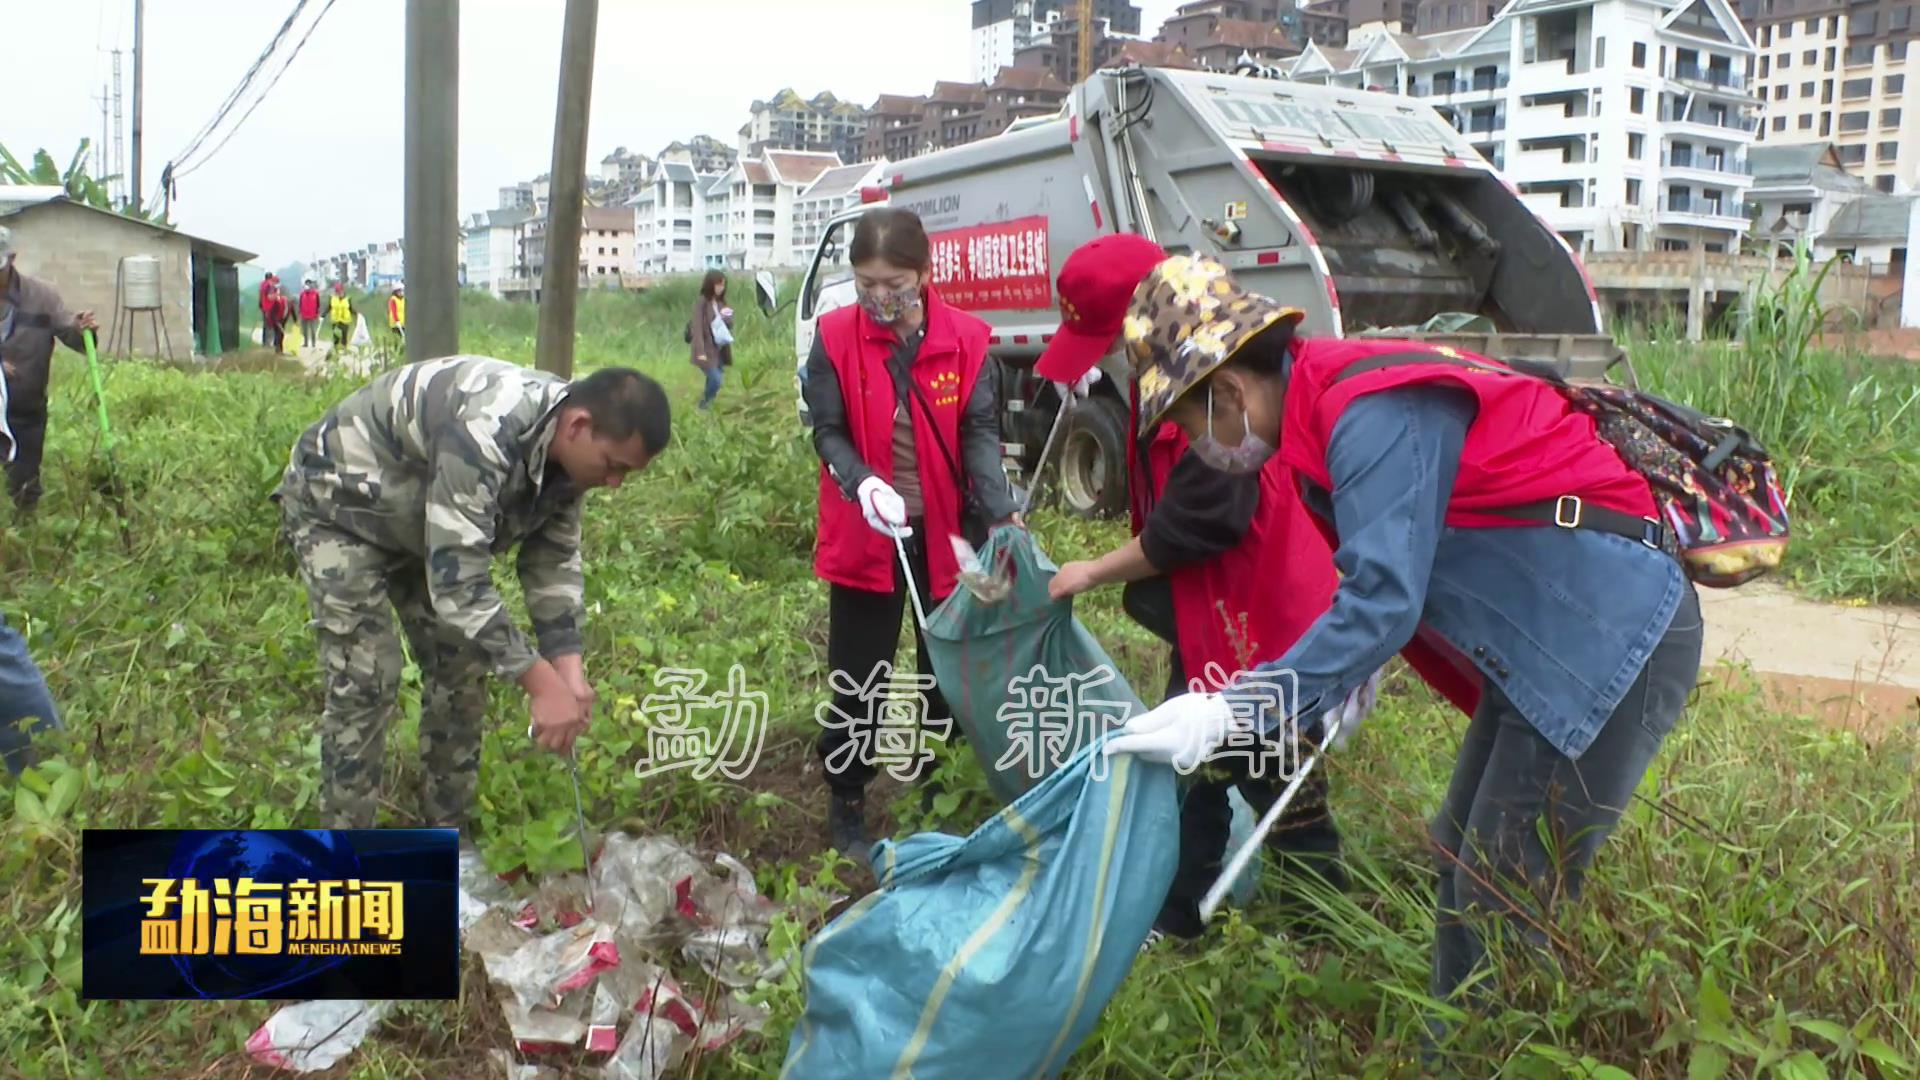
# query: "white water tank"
[[141, 278]]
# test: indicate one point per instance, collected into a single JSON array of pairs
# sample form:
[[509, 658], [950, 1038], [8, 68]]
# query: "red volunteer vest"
[[1526, 444], [1257, 597], [847, 551], [309, 304]]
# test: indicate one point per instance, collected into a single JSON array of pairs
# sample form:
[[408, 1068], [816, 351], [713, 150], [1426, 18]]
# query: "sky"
[[317, 167]]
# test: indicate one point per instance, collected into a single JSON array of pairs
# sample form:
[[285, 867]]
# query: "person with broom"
[[1199, 532], [1483, 530], [36, 316]]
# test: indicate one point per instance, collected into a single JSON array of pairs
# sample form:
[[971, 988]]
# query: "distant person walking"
[[274, 329], [397, 313], [269, 286], [32, 315], [309, 314], [710, 332], [340, 315]]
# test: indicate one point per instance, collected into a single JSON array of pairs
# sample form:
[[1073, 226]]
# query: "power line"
[[268, 89], [246, 80]]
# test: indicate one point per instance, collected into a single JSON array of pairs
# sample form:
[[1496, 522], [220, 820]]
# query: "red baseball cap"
[[1096, 287]]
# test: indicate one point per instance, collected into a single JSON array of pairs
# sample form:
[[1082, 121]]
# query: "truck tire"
[[1092, 472]]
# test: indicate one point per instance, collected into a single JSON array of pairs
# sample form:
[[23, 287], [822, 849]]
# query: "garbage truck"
[[1367, 210]]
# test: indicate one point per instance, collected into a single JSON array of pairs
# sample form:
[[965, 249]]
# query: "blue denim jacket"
[[1561, 620]]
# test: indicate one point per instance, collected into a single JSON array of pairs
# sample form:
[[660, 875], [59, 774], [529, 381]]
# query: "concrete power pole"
[[139, 65], [432, 166], [560, 277]]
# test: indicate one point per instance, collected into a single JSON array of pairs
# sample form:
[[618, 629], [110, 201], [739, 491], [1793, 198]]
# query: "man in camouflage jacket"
[[401, 495]]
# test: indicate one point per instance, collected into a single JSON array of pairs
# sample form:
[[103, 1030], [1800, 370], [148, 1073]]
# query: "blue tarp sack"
[[1028, 684], [993, 955]]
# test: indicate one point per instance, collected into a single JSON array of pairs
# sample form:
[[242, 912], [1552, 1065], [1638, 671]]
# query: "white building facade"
[[493, 248], [1624, 123], [669, 217]]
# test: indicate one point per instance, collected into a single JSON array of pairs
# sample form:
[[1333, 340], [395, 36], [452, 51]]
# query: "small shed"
[[82, 250]]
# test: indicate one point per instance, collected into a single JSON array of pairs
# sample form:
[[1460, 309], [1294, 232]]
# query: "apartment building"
[[606, 245], [1445, 16], [749, 211], [822, 124], [835, 190], [1002, 28], [1833, 72], [1798, 188], [669, 214], [1624, 123], [1019, 93], [492, 240]]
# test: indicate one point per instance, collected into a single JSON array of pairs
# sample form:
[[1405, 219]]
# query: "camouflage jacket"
[[446, 460]]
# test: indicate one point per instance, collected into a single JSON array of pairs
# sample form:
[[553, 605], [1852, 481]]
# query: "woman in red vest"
[[906, 423], [1484, 531], [1198, 533]]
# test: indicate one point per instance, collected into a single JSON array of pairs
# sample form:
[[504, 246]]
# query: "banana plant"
[[79, 186]]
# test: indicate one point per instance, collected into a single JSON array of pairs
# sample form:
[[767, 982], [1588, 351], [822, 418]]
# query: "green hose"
[[99, 390]]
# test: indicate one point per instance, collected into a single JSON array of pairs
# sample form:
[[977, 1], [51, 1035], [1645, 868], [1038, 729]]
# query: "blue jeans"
[[23, 697], [1509, 778], [713, 385]]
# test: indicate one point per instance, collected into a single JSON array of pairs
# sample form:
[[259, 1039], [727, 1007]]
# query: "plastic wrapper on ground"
[[314, 1035]]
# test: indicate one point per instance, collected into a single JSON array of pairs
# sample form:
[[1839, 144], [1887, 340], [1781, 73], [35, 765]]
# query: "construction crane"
[[1083, 14]]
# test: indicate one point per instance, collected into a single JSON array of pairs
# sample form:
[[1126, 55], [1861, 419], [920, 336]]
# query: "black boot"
[[847, 825]]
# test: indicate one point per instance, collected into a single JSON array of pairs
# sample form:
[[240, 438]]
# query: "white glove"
[[1352, 711], [1182, 731], [1080, 387], [885, 511]]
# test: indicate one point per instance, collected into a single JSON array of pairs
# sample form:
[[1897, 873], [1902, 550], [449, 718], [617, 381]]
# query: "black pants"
[[863, 631], [23, 472], [340, 332], [1304, 837]]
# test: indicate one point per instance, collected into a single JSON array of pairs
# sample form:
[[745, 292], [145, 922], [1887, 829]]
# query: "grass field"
[[1756, 915]]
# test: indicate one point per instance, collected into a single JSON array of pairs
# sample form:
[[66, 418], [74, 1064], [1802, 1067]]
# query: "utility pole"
[[102, 166], [139, 58], [119, 146], [432, 166], [560, 277]]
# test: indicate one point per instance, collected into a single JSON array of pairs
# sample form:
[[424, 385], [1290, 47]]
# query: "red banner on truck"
[[998, 267]]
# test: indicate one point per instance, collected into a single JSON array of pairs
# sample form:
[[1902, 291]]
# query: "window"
[[1833, 26], [1780, 92], [1813, 26], [1636, 145], [1853, 155], [1887, 151], [1889, 118], [1765, 63], [1637, 100], [1806, 122], [1810, 57], [1900, 18], [1826, 92], [1856, 88], [1639, 54], [1783, 61], [1858, 55], [1832, 55], [1854, 121], [1806, 89], [1897, 50], [1599, 52], [1633, 193], [1766, 36], [1779, 123], [1884, 183], [1826, 124], [1865, 24], [1786, 30], [1893, 84]]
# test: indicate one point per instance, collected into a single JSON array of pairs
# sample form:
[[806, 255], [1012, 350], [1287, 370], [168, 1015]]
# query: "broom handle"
[[99, 389]]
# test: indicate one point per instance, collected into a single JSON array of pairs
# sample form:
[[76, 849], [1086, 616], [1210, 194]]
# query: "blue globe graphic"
[[271, 857]]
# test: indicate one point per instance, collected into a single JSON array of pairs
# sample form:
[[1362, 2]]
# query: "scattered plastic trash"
[[569, 979]]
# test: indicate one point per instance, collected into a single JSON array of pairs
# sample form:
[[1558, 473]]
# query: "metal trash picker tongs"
[[580, 821], [1236, 865]]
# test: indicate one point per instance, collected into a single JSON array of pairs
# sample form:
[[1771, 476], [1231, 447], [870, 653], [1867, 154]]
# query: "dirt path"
[[1857, 667]]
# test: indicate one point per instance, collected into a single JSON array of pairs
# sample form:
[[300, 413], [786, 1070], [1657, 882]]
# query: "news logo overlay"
[[341, 914]]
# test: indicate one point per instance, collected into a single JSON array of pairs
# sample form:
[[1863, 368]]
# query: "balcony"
[[1715, 80], [1725, 128], [1479, 89], [1722, 170], [1546, 76], [1717, 212]]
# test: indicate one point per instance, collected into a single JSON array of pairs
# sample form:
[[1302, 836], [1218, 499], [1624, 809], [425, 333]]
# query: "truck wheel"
[[1092, 473]]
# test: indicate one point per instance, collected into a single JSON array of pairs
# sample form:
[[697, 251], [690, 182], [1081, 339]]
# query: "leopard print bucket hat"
[[1188, 317]]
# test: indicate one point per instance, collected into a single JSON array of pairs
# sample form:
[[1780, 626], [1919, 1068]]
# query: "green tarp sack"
[[993, 955], [1029, 685]]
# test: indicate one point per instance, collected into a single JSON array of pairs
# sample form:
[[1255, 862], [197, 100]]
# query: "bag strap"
[[902, 376], [1567, 511]]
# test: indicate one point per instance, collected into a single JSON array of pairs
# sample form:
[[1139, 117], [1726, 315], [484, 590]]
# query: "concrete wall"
[[78, 250]]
